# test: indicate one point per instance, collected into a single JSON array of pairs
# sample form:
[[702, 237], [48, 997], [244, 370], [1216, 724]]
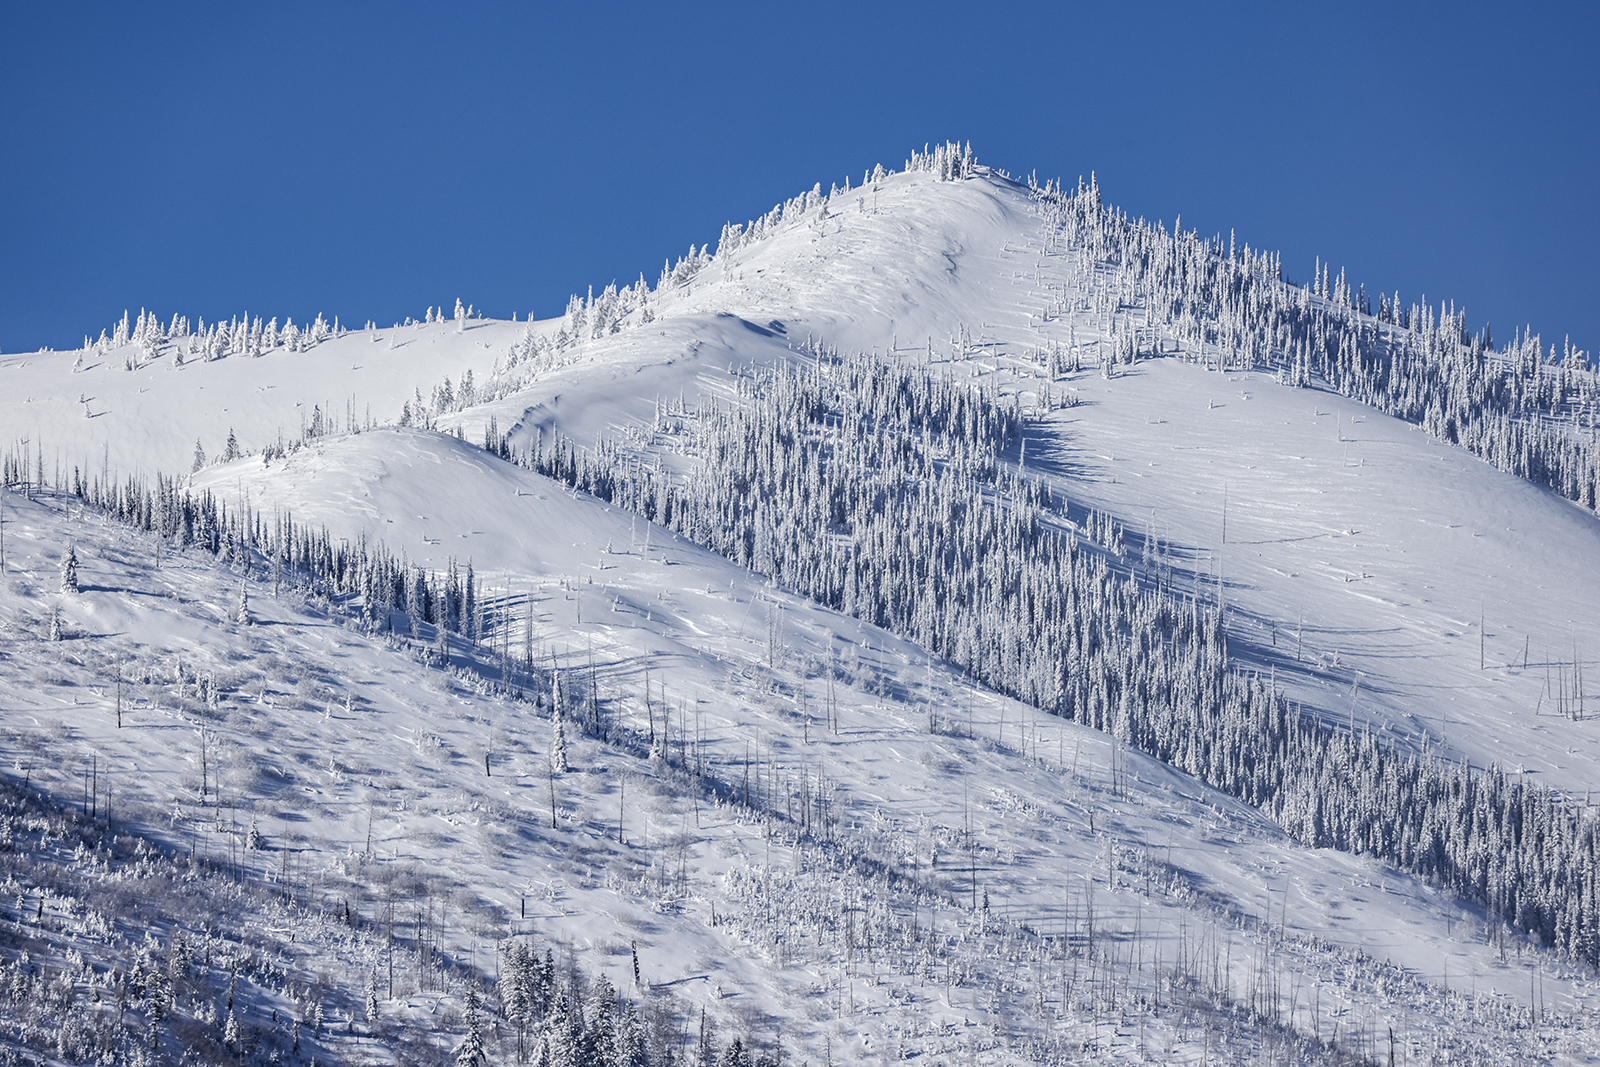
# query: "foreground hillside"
[[826, 850], [671, 636]]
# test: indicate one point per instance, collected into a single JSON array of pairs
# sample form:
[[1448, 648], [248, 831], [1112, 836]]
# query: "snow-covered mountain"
[[949, 619]]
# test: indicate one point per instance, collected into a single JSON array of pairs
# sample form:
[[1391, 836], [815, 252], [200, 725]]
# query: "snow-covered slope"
[[999, 831], [1381, 577]]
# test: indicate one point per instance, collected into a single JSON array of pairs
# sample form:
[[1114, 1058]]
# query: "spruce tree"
[[602, 1027], [69, 570], [629, 1039], [558, 744], [471, 1053]]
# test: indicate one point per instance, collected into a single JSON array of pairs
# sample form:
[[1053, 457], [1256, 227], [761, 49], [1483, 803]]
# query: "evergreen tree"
[[471, 1053], [69, 570], [558, 743], [602, 1036], [516, 990], [565, 1033], [630, 1040], [241, 608], [734, 1055]]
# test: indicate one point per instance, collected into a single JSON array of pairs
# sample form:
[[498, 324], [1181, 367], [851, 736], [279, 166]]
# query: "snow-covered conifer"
[[558, 742], [69, 570], [471, 1053], [564, 1030], [630, 1041], [735, 1055], [602, 1032]]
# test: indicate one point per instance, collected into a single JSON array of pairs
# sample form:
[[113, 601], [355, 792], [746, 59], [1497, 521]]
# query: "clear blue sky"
[[367, 161]]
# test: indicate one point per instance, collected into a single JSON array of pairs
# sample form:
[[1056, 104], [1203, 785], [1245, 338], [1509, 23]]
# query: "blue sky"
[[367, 161]]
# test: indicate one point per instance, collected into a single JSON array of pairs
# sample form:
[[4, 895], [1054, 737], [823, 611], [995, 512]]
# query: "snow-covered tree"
[[602, 1035], [471, 1053], [630, 1040], [558, 743], [69, 570]]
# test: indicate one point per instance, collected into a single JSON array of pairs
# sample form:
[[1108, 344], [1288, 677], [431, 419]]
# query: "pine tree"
[[629, 1039], [565, 1033], [55, 623], [199, 457], [69, 570], [558, 744], [241, 610], [516, 990], [230, 451], [602, 1026], [734, 1055], [471, 1052]]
